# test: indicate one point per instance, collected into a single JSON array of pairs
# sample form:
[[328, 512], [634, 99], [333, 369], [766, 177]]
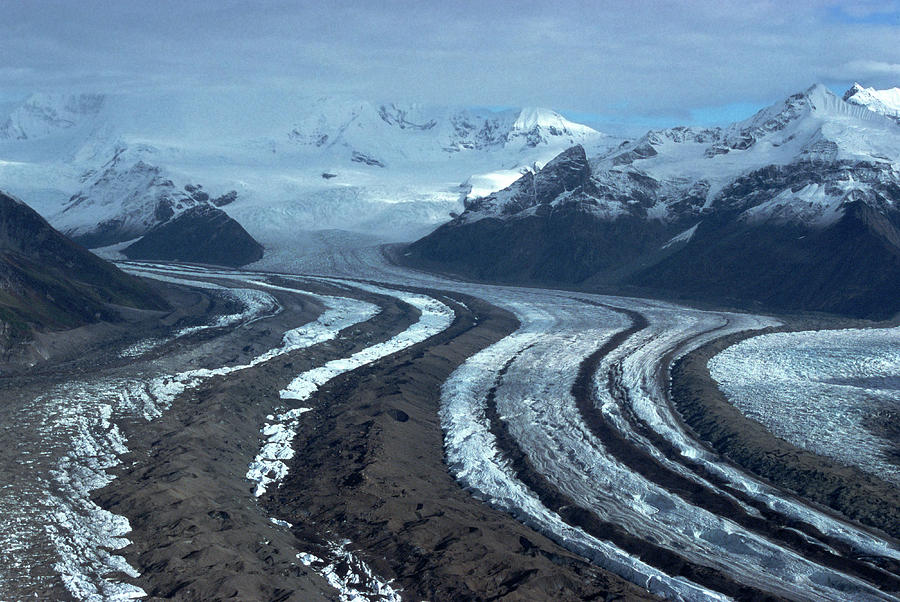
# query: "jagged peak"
[[885, 102], [818, 91], [817, 104], [530, 117], [854, 89]]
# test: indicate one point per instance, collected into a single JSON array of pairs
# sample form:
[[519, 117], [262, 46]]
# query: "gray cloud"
[[866, 70], [647, 58]]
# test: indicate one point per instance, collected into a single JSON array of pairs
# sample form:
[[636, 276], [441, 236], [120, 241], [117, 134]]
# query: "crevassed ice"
[[819, 390]]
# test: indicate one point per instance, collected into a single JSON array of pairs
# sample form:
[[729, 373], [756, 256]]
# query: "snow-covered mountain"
[[784, 181], [682, 173], [42, 115], [107, 168], [391, 132], [886, 102]]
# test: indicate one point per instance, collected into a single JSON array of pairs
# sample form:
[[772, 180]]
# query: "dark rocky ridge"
[[201, 234], [49, 282], [532, 237], [555, 227], [851, 268]]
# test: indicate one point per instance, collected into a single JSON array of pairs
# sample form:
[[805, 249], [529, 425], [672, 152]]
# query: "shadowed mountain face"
[[201, 234], [49, 282], [544, 228], [850, 268], [797, 208]]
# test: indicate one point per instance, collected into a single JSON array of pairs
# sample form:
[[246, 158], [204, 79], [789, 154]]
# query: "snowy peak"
[[532, 117], [797, 207], [884, 102], [42, 115], [799, 161], [125, 198], [814, 125], [782, 117], [535, 126], [816, 101], [392, 130]]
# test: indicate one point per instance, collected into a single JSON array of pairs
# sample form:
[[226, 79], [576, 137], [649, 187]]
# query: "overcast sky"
[[693, 61]]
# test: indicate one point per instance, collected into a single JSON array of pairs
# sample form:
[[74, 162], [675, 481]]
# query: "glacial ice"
[[820, 390]]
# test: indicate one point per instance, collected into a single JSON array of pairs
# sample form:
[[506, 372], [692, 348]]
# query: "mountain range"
[[795, 208], [807, 186], [106, 169]]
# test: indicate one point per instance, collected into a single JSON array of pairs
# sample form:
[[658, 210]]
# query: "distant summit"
[[41, 115], [106, 169]]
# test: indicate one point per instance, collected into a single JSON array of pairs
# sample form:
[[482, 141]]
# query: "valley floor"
[[365, 431]]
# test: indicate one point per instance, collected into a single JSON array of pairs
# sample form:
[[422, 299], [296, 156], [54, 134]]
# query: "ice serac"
[[201, 234], [49, 282], [793, 208]]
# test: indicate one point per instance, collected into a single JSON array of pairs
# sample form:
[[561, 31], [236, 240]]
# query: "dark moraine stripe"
[[657, 556], [772, 525]]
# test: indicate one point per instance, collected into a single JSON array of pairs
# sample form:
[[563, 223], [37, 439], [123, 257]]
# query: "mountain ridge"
[[48, 282], [885, 102], [769, 197], [112, 171]]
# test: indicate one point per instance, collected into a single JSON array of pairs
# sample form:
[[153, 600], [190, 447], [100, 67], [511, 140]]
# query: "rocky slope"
[[794, 208], [49, 282], [201, 234]]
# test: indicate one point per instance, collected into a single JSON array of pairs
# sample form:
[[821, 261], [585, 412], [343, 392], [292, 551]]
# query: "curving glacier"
[[833, 392]]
